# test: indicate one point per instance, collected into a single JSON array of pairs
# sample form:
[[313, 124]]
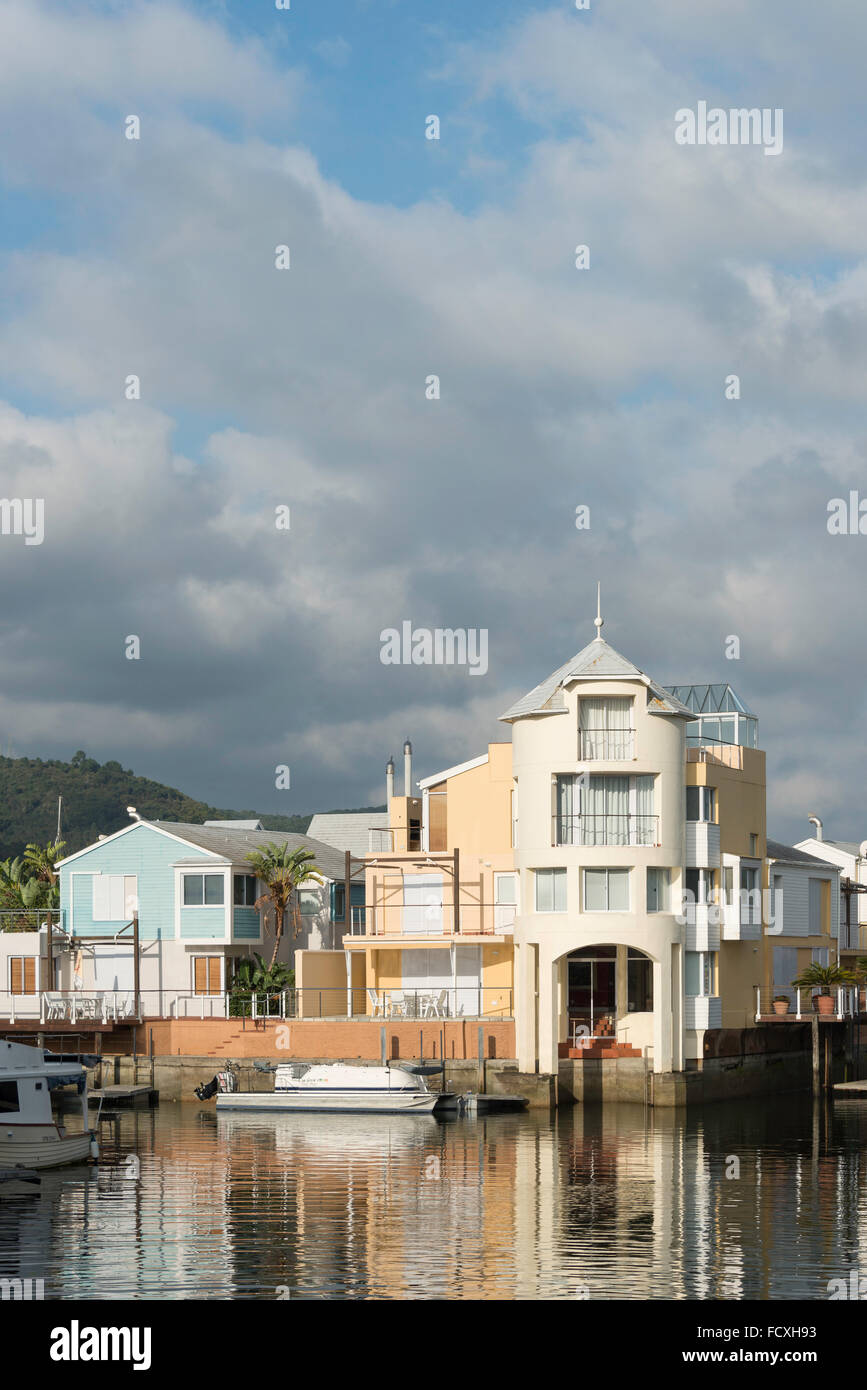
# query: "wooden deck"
[[124, 1097]]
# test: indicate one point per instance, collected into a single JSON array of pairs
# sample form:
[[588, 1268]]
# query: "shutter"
[[200, 964], [15, 975], [101, 898], [29, 974], [213, 974]]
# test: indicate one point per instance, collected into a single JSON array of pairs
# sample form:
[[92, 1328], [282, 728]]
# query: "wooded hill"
[[95, 798]]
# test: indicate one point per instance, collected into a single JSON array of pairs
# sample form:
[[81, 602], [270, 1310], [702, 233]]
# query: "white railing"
[[613, 745], [800, 1003]]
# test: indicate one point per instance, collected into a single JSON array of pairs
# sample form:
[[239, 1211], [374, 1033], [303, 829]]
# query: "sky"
[[306, 387]]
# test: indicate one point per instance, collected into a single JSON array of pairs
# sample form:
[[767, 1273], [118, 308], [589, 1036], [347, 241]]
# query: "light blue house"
[[194, 895]]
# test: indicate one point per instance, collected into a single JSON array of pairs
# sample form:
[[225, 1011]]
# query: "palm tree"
[[282, 871], [43, 858]]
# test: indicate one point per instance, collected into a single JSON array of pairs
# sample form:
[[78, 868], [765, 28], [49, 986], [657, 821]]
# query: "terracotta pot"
[[823, 1004], [781, 1006]]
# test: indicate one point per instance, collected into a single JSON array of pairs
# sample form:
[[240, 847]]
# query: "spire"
[[598, 620]]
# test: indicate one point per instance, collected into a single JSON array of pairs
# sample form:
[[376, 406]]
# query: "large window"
[[245, 890], [658, 890], [702, 884], [550, 890], [309, 902], [611, 810], [606, 729], [606, 890], [203, 890], [701, 803]]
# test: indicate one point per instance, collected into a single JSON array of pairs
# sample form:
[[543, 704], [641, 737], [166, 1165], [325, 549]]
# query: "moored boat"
[[333, 1087], [30, 1134]]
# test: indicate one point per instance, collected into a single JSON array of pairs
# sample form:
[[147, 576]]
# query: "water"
[[593, 1202]]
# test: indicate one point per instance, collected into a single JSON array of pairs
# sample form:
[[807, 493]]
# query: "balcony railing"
[[845, 1003], [605, 830], [380, 841], [31, 918], [434, 919], [613, 745]]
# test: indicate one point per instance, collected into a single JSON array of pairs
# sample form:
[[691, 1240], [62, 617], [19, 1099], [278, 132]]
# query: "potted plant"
[[823, 977], [781, 1004]]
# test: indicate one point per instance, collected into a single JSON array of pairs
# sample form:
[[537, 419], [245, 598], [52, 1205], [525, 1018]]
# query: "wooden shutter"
[[213, 974], [22, 975], [206, 974]]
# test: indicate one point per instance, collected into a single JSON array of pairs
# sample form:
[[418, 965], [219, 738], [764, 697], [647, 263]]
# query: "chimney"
[[818, 824], [407, 768], [389, 783]]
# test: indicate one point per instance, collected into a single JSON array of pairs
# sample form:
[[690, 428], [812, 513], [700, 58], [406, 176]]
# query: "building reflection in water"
[[749, 1201]]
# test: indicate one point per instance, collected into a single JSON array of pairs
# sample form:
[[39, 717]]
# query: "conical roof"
[[596, 661]]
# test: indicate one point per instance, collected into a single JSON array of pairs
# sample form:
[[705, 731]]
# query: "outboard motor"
[[208, 1089], [224, 1081]]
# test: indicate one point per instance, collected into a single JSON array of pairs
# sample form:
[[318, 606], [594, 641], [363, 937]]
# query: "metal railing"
[[799, 1004], [603, 829], [31, 918], [380, 841], [434, 919], [613, 745], [95, 1007]]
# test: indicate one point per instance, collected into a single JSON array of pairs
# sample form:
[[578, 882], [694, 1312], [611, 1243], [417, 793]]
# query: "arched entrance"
[[604, 985]]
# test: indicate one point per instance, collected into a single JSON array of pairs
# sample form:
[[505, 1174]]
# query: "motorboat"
[[336, 1087], [31, 1135]]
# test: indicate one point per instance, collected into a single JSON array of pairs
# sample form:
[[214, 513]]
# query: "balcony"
[[609, 745], [605, 830]]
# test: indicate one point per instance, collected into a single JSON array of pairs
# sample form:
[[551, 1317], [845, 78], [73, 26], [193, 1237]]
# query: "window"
[[203, 890], [245, 890], [611, 810], [701, 803], [606, 729], [114, 897], [606, 890], [658, 883], [751, 898], [701, 883], [819, 955], [22, 974], [9, 1098], [207, 974], [505, 889], [639, 973], [700, 973], [550, 890], [309, 902], [754, 845], [729, 884], [820, 907]]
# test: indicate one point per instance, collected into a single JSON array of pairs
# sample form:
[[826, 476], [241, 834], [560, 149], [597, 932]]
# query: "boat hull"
[[360, 1102], [47, 1152]]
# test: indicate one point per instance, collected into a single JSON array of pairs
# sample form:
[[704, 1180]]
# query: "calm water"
[[409, 1207]]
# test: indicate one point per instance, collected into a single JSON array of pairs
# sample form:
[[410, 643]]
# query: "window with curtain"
[[606, 890], [550, 890], [610, 810], [606, 728]]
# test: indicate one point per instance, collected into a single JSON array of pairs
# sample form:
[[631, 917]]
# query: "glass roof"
[[709, 699]]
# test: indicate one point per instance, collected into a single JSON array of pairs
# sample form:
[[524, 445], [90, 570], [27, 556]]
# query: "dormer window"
[[605, 727]]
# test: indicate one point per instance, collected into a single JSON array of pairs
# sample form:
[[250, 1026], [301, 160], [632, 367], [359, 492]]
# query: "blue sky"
[[411, 257]]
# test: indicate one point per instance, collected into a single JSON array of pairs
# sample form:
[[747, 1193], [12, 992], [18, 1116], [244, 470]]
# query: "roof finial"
[[598, 620]]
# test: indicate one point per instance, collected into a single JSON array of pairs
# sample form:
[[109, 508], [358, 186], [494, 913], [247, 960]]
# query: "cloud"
[[305, 387]]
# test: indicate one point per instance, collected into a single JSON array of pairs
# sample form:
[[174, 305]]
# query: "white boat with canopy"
[[335, 1087], [31, 1135]]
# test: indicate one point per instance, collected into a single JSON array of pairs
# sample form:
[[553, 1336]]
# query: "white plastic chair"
[[377, 1002], [56, 1005], [435, 1004]]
